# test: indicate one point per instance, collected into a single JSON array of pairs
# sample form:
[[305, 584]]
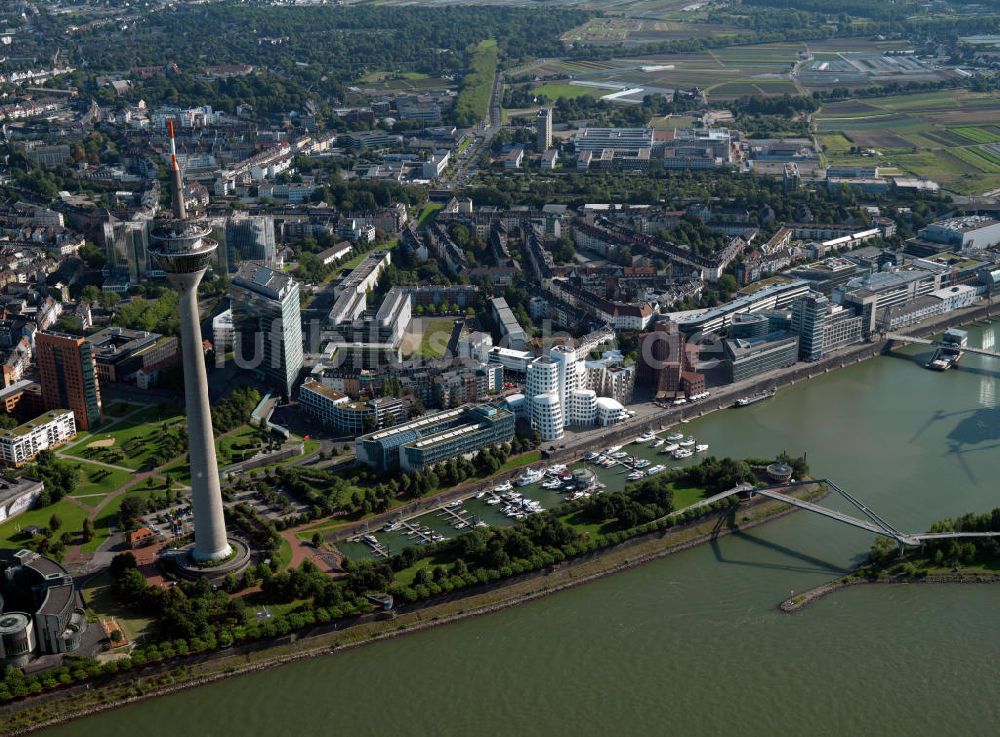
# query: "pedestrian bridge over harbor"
[[939, 344], [872, 522]]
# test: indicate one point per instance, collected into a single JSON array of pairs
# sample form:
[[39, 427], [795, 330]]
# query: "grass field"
[[427, 215], [944, 136], [977, 134], [137, 438], [381, 76], [96, 479], [72, 517], [553, 91], [474, 97], [434, 334], [120, 409], [99, 599], [674, 24], [232, 448]]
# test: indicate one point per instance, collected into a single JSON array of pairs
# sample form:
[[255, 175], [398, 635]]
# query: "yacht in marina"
[[531, 476]]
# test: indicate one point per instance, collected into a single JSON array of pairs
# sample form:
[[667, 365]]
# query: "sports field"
[[949, 136]]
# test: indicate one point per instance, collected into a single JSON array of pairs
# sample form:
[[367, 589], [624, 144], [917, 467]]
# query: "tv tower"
[[183, 251]]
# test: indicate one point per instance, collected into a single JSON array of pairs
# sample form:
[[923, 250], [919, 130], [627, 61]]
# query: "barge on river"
[[754, 398], [949, 351]]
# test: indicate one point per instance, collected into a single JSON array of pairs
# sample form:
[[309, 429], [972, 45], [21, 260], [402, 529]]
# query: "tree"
[[87, 533], [91, 293], [55, 522], [317, 539], [132, 507], [109, 300]]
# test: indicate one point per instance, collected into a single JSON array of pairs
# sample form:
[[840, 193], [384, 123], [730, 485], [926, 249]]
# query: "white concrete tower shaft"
[[184, 253]]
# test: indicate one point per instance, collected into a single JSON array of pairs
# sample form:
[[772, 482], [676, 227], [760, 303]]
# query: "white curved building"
[[542, 376], [570, 372], [517, 404], [582, 407], [609, 411], [547, 416]]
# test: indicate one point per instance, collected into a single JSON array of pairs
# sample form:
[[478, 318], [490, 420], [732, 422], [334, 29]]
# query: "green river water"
[[693, 644]]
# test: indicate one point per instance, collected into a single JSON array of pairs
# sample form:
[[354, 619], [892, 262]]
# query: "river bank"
[[58, 707], [798, 602], [656, 419]]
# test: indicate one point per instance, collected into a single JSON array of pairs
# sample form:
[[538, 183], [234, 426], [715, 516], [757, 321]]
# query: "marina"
[[535, 490]]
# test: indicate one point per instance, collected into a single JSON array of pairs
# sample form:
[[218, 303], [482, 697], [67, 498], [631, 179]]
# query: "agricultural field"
[[618, 30], [948, 136]]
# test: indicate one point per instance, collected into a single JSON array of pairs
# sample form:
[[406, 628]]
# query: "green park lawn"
[[685, 496], [179, 471], [232, 448], [409, 574], [137, 438], [101, 602], [71, 515], [96, 479], [284, 554], [120, 409], [430, 211], [435, 337], [524, 459]]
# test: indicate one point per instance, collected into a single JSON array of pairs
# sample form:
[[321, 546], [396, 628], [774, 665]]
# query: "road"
[[485, 131]]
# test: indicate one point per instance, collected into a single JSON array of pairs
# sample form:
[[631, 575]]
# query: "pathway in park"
[[76, 556]]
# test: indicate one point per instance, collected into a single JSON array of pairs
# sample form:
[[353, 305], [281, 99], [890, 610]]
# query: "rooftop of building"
[[746, 302], [965, 223], [954, 260], [324, 390], [264, 280], [882, 280], [738, 348], [32, 425], [361, 272], [11, 488], [15, 388], [115, 339]]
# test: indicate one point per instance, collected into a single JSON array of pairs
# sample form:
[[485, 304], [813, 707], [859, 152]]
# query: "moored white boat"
[[531, 476]]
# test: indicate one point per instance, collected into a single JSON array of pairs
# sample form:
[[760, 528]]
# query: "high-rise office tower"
[[184, 252], [809, 315], [126, 243], [68, 372], [246, 238], [543, 129], [267, 324]]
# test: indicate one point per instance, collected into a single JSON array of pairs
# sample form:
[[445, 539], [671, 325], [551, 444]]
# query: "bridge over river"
[[940, 344], [871, 522]]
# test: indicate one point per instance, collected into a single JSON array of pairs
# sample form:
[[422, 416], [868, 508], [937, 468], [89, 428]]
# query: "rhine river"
[[693, 644]]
